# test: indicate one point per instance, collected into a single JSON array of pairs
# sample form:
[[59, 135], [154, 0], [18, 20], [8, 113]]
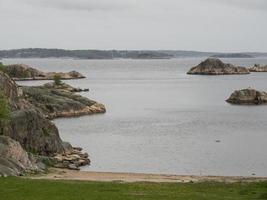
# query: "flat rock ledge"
[[97, 108], [212, 66], [248, 96], [258, 68], [73, 159]]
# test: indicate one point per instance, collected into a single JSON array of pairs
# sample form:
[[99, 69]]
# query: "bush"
[[57, 80], [2, 67], [4, 112]]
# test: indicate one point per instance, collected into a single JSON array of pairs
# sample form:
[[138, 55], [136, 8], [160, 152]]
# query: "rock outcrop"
[[248, 96], [28, 130], [258, 68], [213, 66], [24, 72], [64, 86], [61, 101], [14, 160]]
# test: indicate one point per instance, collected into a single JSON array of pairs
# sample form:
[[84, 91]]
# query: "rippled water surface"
[[160, 120]]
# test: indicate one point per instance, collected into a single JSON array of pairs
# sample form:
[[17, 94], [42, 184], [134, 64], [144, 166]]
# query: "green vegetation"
[[57, 80], [2, 67], [24, 189], [4, 112]]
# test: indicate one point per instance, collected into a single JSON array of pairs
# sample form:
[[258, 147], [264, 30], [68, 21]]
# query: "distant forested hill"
[[112, 54]]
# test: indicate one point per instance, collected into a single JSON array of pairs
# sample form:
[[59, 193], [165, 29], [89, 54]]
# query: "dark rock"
[[217, 67], [248, 96]]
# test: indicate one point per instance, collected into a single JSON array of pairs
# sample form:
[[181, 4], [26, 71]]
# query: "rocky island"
[[258, 68], [248, 96], [29, 141], [212, 66], [21, 72]]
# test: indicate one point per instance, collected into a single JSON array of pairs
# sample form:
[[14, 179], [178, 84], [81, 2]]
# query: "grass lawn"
[[24, 189]]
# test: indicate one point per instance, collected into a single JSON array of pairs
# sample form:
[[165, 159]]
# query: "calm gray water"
[[160, 120]]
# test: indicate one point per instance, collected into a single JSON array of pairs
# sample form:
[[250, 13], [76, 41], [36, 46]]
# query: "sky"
[[202, 25]]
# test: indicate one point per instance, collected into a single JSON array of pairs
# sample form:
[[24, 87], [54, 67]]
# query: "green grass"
[[24, 189]]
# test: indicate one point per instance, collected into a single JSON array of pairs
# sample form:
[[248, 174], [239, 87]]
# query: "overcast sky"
[[205, 25]]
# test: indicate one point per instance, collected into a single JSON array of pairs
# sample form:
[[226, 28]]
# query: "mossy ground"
[[25, 189]]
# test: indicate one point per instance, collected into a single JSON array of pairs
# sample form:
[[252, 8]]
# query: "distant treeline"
[[116, 54], [82, 54]]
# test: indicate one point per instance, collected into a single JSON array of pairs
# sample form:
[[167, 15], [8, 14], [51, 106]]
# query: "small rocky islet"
[[29, 141], [213, 66], [21, 72], [248, 96]]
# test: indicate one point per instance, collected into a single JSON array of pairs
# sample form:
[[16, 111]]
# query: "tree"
[[4, 112], [57, 79]]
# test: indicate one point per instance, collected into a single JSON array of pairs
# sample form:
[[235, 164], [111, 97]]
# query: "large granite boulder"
[[213, 66], [248, 96], [258, 68], [25, 72], [14, 160], [35, 133]]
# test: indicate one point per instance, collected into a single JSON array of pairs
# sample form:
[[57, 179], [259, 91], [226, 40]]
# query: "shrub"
[[2, 67], [57, 80], [4, 112]]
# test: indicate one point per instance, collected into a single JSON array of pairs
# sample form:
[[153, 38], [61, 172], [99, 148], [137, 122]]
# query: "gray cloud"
[[208, 25], [244, 4], [82, 5]]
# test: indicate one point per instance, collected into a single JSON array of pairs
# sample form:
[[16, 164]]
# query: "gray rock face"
[[35, 133], [248, 96], [213, 66], [258, 68], [28, 126], [14, 160], [29, 130]]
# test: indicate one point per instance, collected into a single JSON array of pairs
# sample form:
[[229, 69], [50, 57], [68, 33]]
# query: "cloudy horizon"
[[207, 25]]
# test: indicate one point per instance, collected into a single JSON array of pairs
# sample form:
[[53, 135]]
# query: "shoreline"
[[71, 175]]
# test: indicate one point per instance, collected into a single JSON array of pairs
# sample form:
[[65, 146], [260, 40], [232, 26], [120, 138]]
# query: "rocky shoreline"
[[56, 101], [29, 141]]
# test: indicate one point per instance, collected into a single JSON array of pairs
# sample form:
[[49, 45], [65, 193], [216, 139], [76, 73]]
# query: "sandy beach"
[[63, 174]]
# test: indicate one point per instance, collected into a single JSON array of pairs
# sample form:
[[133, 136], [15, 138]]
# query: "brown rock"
[[248, 96], [213, 66]]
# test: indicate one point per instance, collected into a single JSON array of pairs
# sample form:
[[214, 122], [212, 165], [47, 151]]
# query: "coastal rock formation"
[[28, 130], [14, 160], [72, 159], [64, 86], [213, 66], [258, 68], [24, 72], [248, 96], [60, 101]]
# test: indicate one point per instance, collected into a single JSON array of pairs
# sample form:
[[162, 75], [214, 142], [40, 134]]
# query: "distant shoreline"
[[117, 54]]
